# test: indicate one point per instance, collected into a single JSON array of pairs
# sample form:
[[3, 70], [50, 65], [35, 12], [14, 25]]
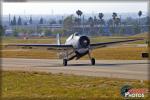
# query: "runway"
[[128, 69]]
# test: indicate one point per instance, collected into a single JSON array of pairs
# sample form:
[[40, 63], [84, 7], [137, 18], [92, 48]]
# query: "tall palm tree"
[[101, 15], [114, 15], [139, 14], [79, 12]]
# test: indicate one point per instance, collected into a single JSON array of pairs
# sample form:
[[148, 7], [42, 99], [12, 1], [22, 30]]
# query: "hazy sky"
[[71, 7]]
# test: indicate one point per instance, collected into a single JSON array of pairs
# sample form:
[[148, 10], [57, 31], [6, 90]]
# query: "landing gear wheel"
[[93, 61], [65, 62]]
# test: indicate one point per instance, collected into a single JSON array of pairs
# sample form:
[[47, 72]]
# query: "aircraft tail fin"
[[58, 39]]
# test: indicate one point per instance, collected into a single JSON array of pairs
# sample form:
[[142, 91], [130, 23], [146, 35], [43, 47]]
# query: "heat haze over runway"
[[129, 69]]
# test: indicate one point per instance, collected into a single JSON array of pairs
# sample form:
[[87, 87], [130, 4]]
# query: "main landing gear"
[[65, 62], [93, 61]]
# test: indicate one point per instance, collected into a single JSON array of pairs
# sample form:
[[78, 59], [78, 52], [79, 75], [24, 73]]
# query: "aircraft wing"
[[48, 46], [105, 44]]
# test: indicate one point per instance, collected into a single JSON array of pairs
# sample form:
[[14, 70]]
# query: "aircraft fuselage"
[[80, 44]]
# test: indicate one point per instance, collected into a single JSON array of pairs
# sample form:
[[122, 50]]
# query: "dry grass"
[[142, 35], [52, 40], [47, 86], [119, 52], [37, 54], [128, 53]]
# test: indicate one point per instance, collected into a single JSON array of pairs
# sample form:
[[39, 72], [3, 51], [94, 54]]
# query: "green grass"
[[29, 85]]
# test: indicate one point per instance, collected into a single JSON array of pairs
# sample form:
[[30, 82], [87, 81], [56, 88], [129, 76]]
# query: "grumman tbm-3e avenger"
[[75, 47]]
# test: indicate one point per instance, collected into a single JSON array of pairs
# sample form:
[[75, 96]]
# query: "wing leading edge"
[[104, 44], [48, 46], [66, 47]]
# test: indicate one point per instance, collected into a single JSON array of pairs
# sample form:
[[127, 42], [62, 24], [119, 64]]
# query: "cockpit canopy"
[[76, 34]]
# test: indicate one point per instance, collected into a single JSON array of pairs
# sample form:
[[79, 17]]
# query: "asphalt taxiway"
[[128, 69]]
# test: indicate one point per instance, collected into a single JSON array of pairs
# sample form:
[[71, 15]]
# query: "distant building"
[[51, 26], [39, 26], [8, 32]]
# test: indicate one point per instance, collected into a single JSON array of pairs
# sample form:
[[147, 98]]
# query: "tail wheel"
[[93, 61], [65, 62]]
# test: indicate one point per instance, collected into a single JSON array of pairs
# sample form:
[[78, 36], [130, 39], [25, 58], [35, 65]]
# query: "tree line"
[[20, 21], [93, 25]]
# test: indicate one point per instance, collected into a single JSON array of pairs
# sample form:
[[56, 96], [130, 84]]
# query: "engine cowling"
[[84, 41]]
